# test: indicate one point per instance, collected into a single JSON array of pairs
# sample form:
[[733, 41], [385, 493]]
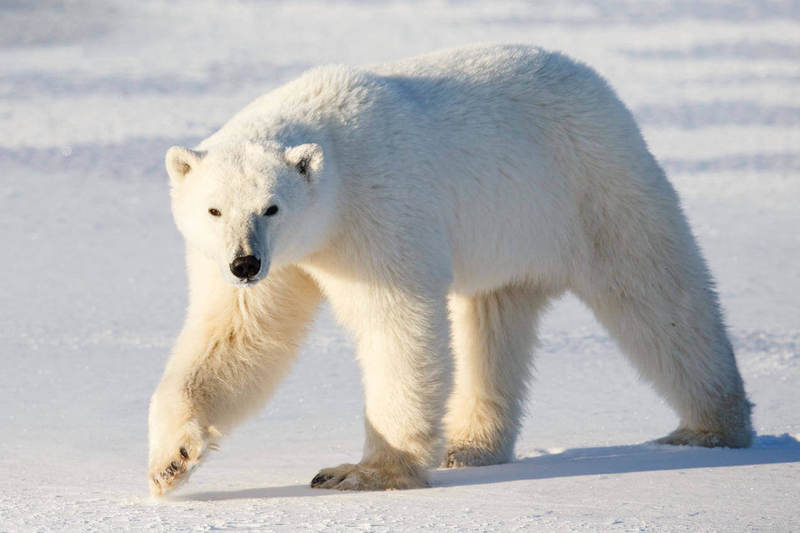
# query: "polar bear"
[[438, 203]]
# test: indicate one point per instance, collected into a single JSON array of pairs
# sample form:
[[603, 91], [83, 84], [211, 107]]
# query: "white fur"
[[444, 197]]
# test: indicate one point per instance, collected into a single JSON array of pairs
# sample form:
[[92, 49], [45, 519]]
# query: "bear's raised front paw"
[[707, 439], [168, 473], [362, 477], [177, 454]]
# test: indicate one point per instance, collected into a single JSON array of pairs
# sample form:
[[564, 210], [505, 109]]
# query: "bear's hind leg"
[[493, 340], [663, 313]]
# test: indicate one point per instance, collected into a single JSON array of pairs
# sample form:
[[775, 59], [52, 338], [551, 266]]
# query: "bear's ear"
[[306, 159], [180, 161]]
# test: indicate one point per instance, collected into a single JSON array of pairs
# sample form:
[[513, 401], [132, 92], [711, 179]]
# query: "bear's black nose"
[[246, 266]]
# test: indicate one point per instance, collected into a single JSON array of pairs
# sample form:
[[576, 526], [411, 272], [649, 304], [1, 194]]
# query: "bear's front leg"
[[179, 436], [235, 346], [403, 348]]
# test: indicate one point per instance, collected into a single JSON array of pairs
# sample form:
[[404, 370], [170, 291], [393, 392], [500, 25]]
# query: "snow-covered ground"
[[92, 284]]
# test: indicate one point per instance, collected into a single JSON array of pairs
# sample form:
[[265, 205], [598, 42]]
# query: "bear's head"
[[250, 206]]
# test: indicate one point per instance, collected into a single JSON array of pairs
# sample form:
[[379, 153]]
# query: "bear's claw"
[[166, 478], [319, 479]]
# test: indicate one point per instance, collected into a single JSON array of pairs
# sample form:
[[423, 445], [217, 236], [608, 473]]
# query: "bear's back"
[[474, 76]]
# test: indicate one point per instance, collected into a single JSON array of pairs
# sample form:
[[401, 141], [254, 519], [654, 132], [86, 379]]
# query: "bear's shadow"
[[648, 457]]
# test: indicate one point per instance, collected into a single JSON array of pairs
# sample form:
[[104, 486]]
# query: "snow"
[[92, 93]]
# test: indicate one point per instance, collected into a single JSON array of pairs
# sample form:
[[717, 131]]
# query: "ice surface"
[[92, 93]]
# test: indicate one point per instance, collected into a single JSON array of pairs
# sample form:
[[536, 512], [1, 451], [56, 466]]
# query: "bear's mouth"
[[246, 282]]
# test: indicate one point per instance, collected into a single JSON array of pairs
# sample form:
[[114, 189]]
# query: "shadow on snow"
[[648, 457]]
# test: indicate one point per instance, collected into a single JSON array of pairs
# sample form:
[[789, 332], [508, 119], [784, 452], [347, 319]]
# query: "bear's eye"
[[214, 212], [302, 167], [271, 210]]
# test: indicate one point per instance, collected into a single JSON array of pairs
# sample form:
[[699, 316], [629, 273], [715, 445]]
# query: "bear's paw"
[[708, 439], [465, 454], [363, 477], [173, 466]]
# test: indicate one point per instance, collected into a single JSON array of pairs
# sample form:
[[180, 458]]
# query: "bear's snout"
[[246, 266]]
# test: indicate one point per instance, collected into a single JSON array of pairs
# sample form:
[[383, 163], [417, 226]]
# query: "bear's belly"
[[524, 246], [480, 272], [504, 230]]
